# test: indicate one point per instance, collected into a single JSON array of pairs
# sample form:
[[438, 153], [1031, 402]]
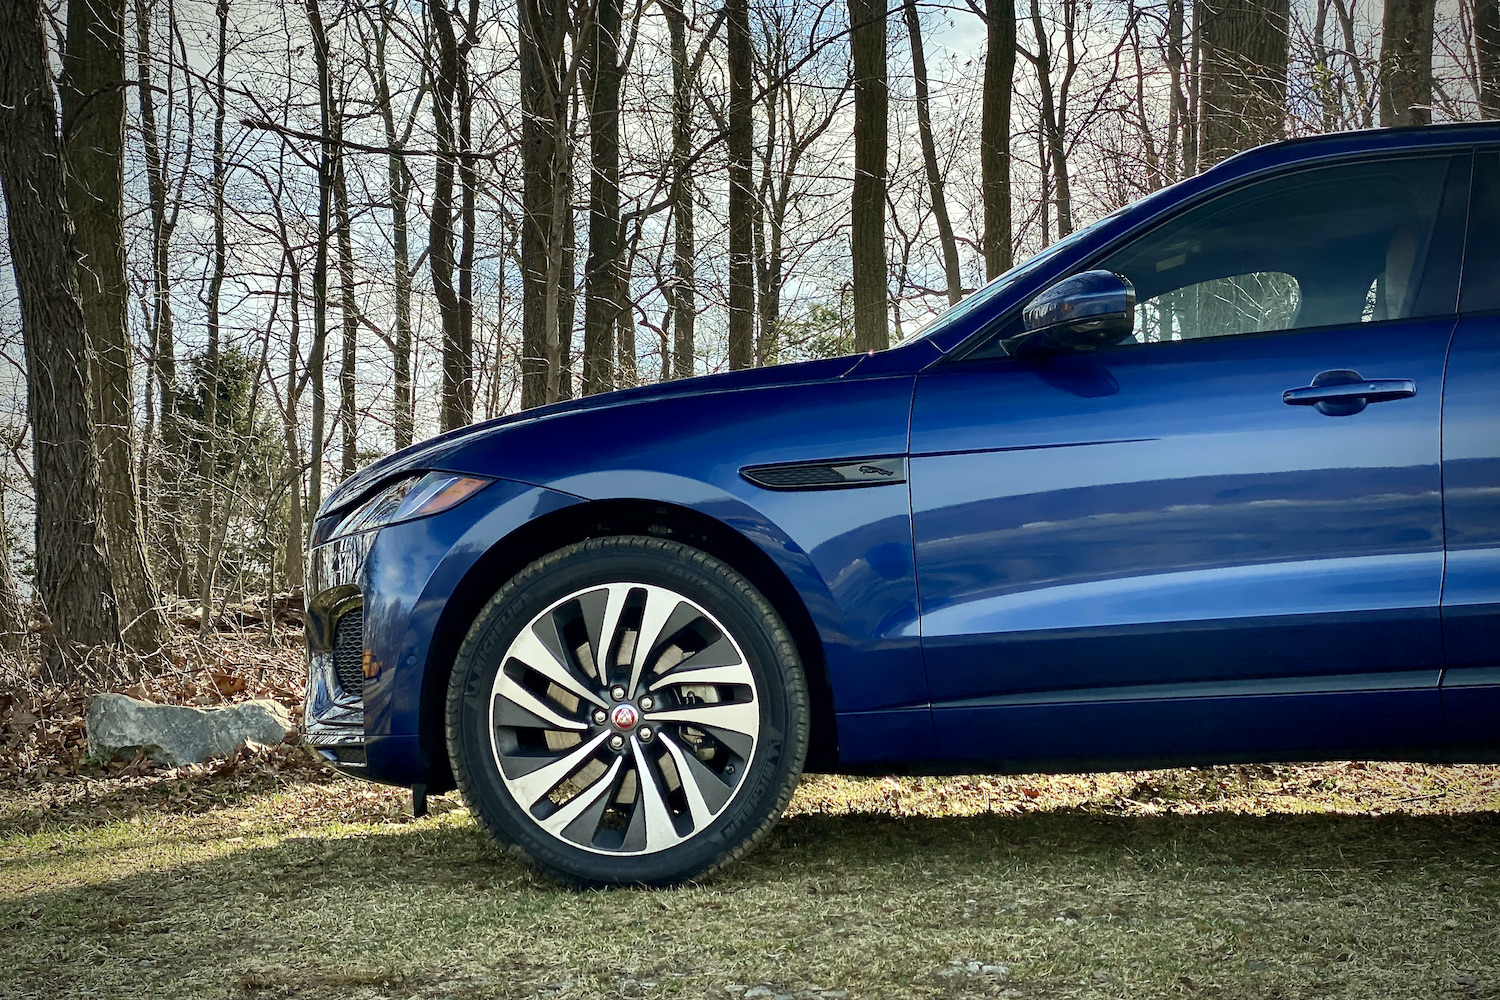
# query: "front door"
[[1153, 551]]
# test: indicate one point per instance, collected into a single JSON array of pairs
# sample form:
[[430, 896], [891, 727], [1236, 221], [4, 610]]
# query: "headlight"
[[409, 498]]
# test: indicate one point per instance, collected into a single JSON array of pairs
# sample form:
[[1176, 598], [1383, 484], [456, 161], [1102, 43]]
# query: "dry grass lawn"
[[1348, 880]]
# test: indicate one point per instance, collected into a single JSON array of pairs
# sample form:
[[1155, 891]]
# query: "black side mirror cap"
[[1084, 312]]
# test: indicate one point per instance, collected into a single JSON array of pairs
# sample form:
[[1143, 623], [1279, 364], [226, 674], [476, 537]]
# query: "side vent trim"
[[839, 475]]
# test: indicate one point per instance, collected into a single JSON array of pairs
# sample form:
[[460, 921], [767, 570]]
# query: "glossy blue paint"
[[1471, 498], [1127, 555], [412, 569], [1214, 534]]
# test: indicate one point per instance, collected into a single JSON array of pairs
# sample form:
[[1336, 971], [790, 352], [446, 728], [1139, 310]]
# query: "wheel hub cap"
[[624, 717]]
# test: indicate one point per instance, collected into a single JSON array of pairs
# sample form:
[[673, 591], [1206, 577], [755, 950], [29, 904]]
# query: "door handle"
[[1341, 392]]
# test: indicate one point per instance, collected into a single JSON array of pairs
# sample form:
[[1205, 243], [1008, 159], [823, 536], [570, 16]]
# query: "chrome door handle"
[[1341, 392]]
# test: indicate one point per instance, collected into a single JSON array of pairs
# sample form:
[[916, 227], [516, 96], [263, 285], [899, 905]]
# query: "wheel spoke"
[[737, 717], [733, 673], [660, 604], [529, 788], [704, 800], [609, 627], [506, 687], [569, 811], [661, 833], [530, 650]]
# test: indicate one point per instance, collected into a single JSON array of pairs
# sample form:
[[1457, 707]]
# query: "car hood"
[[430, 454]]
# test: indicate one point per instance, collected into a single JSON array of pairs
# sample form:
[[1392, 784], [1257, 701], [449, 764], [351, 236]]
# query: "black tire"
[[766, 779]]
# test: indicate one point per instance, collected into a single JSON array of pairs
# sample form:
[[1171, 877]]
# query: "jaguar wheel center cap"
[[625, 717]]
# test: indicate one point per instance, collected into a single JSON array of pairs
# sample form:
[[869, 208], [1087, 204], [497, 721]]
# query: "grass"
[[1346, 880]]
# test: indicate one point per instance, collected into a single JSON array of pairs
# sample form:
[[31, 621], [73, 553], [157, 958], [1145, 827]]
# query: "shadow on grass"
[[458, 855], [296, 918]]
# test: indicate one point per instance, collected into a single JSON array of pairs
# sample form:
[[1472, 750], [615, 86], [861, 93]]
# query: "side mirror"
[[1081, 313]]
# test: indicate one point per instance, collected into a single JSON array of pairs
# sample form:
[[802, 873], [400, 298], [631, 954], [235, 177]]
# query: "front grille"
[[349, 651]]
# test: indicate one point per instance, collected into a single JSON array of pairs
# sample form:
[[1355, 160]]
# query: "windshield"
[[981, 297]]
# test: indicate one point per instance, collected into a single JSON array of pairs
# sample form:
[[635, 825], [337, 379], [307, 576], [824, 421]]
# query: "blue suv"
[[1216, 479]]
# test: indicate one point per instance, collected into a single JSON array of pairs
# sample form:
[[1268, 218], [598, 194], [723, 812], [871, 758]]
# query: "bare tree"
[[867, 38], [399, 183], [994, 137], [457, 401], [208, 448], [602, 278], [319, 348], [168, 463], [93, 123], [741, 137], [1487, 52], [1243, 75], [680, 293], [1054, 106], [1406, 63], [929, 155], [73, 579]]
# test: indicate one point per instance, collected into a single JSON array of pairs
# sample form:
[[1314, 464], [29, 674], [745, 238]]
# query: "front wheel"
[[627, 710]]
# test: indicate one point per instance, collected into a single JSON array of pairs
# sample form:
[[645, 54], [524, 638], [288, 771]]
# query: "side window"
[[1482, 261], [1326, 245]]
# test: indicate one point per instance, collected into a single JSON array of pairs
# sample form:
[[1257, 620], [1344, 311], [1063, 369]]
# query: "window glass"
[[1328, 245], [1482, 261]]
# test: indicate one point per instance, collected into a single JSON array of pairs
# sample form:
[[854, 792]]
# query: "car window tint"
[[1241, 303], [1482, 261], [1328, 245]]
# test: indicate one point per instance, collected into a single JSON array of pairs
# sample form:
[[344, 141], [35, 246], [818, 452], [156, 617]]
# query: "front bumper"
[[375, 712], [333, 714]]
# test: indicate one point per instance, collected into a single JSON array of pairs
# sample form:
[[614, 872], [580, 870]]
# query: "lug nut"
[[600, 716], [647, 703], [617, 742], [646, 734], [617, 692]]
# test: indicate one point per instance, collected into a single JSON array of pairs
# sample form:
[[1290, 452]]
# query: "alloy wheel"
[[624, 718]]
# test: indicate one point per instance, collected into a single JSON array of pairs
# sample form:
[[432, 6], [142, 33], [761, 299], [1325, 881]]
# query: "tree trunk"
[[166, 460], [440, 249], [1487, 51], [741, 139], [349, 454], [1406, 63], [681, 293], [93, 123], [929, 156], [1052, 123], [867, 241], [539, 138], [207, 560], [994, 135], [318, 352], [1177, 111], [398, 186], [1243, 75], [73, 579], [601, 281], [462, 362]]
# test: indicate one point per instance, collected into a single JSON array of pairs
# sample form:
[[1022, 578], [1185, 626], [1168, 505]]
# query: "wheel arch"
[[601, 518]]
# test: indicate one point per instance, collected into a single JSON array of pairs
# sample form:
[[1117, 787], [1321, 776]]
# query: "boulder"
[[121, 726]]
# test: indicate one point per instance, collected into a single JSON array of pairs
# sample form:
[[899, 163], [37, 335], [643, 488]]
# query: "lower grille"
[[349, 651]]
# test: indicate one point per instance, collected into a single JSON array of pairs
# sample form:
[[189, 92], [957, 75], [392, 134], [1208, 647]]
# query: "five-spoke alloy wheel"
[[628, 710]]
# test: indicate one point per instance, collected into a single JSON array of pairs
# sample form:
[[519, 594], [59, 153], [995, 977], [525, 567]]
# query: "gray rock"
[[998, 971], [759, 991], [121, 726]]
